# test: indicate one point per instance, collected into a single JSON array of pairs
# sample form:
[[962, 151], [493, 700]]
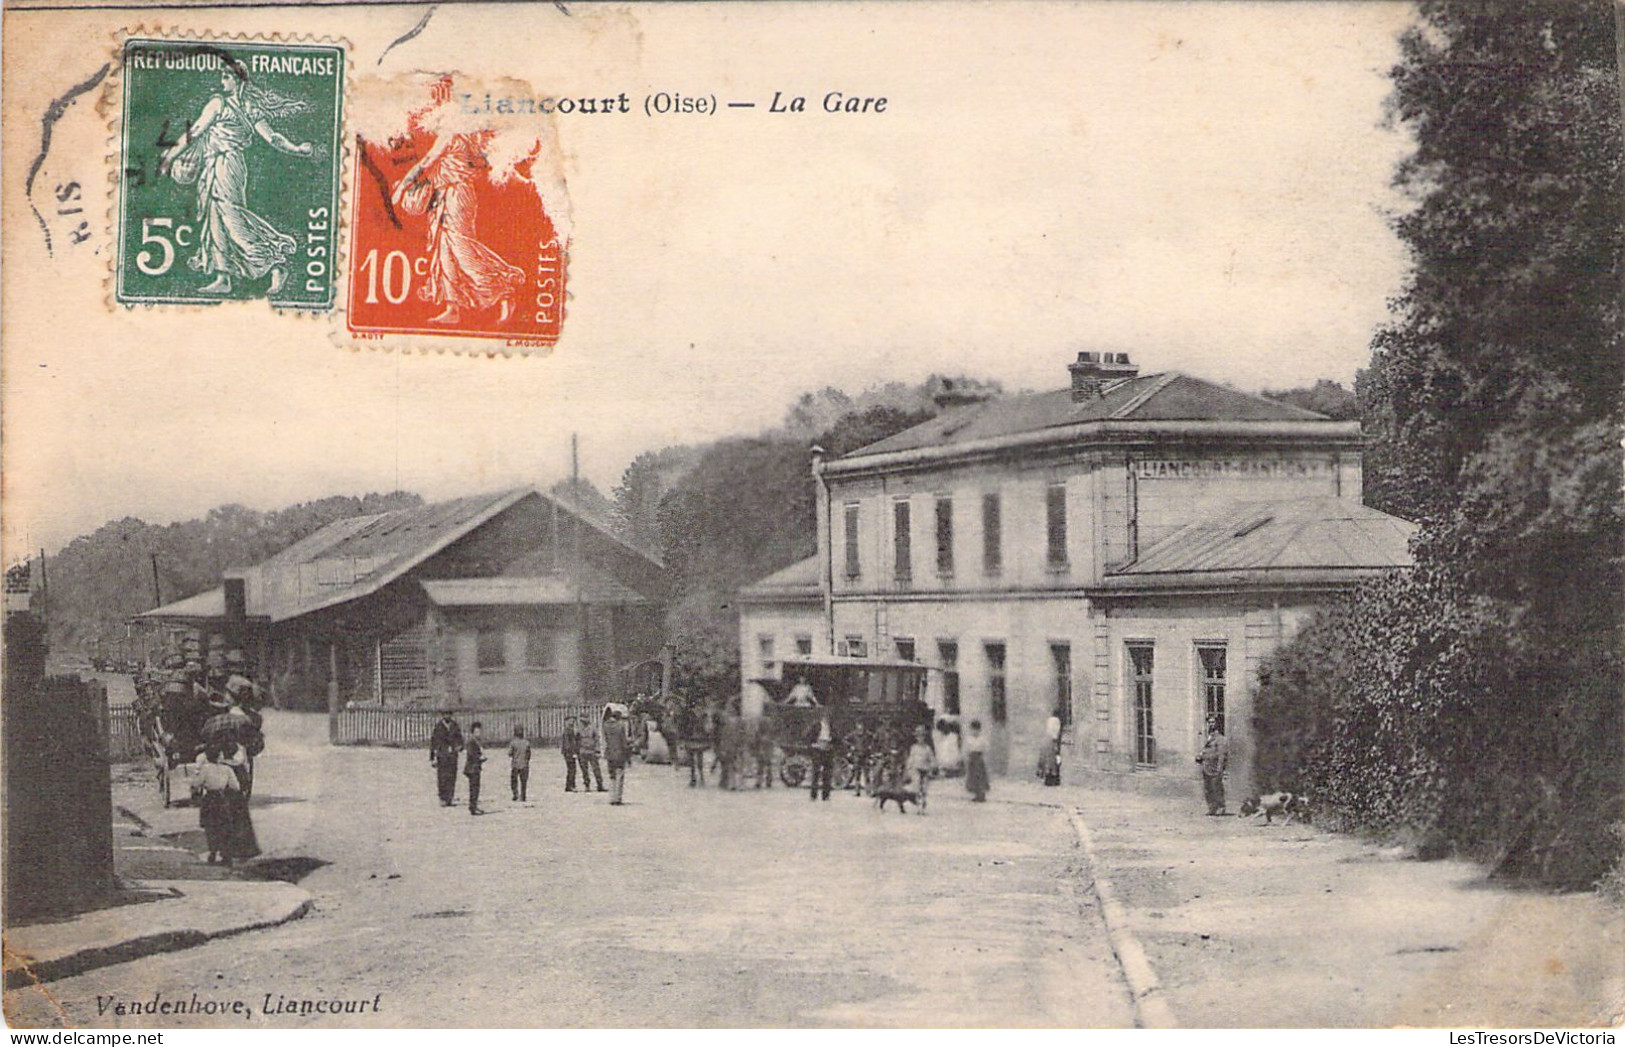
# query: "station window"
[[902, 540], [856, 647], [803, 644], [1141, 659], [945, 535], [905, 649], [948, 655], [490, 651], [539, 652], [1061, 656], [764, 648], [992, 539], [1213, 681], [1055, 516], [852, 561], [998, 699]]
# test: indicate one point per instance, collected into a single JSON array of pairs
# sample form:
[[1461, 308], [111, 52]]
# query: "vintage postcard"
[[837, 515]]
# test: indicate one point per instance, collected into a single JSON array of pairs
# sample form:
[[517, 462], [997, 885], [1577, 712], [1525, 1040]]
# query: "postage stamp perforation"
[[335, 150], [458, 225]]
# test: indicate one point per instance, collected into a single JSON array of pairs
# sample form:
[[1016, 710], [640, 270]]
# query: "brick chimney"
[[1092, 372], [951, 396]]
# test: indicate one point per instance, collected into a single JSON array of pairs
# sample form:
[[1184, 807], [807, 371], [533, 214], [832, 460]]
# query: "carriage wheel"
[[795, 770], [841, 774]]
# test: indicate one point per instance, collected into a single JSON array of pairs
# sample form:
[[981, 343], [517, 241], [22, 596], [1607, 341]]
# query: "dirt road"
[[684, 907]]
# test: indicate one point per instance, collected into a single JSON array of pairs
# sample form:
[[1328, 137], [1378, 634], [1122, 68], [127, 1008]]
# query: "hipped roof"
[[1297, 541], [799, 581], [1168, 396]]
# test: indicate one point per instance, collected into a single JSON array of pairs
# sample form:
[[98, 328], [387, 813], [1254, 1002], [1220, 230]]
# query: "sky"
[[1205, 186]]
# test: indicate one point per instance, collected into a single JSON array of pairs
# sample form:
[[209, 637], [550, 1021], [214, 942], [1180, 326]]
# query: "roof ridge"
[[1162, 382]]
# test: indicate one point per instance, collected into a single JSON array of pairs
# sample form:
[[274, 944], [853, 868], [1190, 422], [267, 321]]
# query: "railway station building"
[[1124, 552], [510, 599]]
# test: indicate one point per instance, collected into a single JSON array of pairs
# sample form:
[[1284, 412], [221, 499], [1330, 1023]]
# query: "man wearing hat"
[[1214, 758], [445, 742]]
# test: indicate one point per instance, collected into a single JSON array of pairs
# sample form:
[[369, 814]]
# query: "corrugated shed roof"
[[800, 579], [1169, 396], [357, 556], [598, 588], [1296, 535], [210, 604]]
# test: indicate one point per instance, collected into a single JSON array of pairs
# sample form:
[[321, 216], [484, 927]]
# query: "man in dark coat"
[[617, 753], [1214, 756], [445, 742], [822, 741], [474, 767], [570, 748]]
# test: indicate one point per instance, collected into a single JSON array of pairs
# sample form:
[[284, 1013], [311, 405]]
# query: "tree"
[[644, 483], [1476, 703], [99, 580], [1324, 397]]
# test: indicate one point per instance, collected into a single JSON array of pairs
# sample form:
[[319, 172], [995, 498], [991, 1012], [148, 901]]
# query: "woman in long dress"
[[463, 272], [233, 240], [975, 746]]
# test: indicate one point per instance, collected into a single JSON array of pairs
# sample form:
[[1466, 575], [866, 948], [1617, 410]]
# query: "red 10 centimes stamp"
[[452, 235]]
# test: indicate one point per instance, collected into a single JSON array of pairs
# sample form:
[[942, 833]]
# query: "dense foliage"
[[100, 579], [743, 509], [1325, 397], [1476, 705]]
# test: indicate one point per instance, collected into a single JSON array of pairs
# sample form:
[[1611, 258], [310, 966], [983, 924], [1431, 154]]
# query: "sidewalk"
[[180, 915], [1248, 925], [169, 897]]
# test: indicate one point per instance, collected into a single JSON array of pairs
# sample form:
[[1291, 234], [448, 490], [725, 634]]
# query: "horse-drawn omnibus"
[[886, 697]]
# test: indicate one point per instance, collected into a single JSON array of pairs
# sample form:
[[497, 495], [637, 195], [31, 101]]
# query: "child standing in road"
[[921, 763], [519, 765], [473, 768]]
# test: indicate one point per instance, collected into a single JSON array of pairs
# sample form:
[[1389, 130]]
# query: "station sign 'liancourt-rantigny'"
[[1230, 468]]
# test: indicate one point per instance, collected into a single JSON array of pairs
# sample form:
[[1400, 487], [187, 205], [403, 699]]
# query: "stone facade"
[[1038, 565]]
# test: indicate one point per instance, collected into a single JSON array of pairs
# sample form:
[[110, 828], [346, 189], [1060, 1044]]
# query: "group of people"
[[611, 736], [203, 714]]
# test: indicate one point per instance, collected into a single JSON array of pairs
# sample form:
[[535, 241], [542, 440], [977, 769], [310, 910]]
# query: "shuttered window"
[[1055, 517], [852, 562], [992, 535], [403, 666], [902, 540]]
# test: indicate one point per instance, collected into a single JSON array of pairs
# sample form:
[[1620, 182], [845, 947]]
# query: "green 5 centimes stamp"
[[229, 173]]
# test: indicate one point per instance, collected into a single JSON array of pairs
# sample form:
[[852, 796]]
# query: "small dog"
[[1290, 806], [900, 795]]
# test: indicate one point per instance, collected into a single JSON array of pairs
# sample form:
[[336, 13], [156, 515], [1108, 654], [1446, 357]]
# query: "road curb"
[[1151, 1008], [25, 967]]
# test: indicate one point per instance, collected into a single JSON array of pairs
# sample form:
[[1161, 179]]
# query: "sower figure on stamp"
[[463, 272], [232, 239], [445, 742], [1214, 756]]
